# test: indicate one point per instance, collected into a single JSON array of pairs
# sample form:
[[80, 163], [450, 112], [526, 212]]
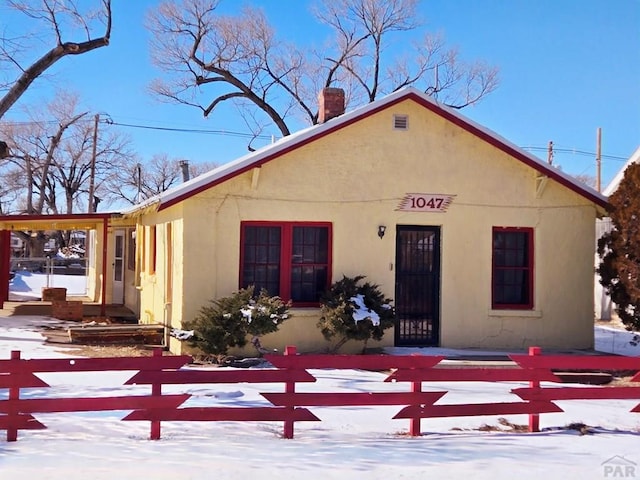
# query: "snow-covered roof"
[[302, 137], [613, 185]]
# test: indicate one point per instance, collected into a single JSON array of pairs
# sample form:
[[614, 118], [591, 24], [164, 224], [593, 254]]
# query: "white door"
[[118, 269]]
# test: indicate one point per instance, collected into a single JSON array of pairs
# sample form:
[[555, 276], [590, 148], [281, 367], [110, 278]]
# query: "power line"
[[109, 121], [577, 152], [248, 135], [189, 130]]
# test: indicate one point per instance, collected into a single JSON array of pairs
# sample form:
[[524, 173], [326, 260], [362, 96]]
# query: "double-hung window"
[[288, 259], [512, 268]]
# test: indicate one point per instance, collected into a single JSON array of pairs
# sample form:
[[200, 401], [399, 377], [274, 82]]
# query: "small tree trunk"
[[364, 346], [338, 346], [255, 341]]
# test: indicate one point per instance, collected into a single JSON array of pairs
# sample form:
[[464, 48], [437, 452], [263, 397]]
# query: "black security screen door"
[[417, 296]]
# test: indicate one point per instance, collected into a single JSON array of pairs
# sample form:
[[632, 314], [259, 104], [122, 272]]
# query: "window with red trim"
[[512, 268], [288, 259]]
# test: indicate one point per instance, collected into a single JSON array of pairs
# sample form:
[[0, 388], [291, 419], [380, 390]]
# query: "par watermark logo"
[[619, 467]]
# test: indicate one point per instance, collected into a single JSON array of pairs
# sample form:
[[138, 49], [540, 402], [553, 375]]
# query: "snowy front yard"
[[349, 442]]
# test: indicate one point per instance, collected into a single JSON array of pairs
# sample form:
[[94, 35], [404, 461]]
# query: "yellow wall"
[[93, 281], [355, 179], [94, 264]]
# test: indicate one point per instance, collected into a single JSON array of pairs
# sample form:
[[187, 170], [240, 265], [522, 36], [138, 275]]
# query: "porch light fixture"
[[381, 230]]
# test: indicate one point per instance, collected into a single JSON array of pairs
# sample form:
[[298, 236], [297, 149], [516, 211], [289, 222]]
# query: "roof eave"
[[297, 140]]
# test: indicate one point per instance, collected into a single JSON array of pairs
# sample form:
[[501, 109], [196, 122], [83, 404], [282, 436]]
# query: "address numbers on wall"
[[425, 202]]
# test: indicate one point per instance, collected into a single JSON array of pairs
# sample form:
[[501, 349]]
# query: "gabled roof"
[[613, 185], [310, 134]]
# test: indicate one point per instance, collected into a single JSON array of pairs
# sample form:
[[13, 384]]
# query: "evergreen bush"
[[351, 310], [228, 322]]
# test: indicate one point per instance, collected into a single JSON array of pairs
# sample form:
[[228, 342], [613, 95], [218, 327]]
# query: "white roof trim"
[[613, 184]]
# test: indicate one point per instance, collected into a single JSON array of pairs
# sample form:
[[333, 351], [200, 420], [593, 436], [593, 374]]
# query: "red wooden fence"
[[290, 406]]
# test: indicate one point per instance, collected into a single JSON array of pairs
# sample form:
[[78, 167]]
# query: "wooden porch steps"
[[138, 334]]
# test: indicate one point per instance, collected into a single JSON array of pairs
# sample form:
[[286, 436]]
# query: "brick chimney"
[[330, 104], [184, 166]]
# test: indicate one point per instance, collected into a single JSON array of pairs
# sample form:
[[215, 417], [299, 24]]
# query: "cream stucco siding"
[[354, 178]]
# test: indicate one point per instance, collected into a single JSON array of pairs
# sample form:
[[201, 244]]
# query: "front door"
[[417, 295], [118, 268]]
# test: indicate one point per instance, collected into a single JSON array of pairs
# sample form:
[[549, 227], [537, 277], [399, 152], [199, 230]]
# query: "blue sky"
[[567, 68]]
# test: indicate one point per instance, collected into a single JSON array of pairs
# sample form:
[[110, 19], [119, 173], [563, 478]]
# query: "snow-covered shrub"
[[351, 310], [229, 321]]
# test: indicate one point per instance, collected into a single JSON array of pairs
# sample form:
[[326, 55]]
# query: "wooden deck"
[[118, 327], [117, 334], [119, 313]]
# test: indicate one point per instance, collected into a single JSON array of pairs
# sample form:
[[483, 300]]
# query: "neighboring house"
[[603, 306], [110, 253], [17, 245], [478, 243]]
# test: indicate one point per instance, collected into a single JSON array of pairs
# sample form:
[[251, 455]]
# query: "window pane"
[[119, 246], [304, 268], [308, 283], [261, 257], [512, 269], [310, 235], [117, 272], [262, 234], [309, 258], [309, 254], [261, 254], [322, 251], [274, 235], [296, 253]]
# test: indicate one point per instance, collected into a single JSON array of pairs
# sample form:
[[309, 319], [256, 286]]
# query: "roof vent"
[[401, 122]]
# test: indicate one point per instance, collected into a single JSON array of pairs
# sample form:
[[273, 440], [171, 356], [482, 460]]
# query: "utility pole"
[[92, 175], [598, 159], [550, 153], [139, 183]]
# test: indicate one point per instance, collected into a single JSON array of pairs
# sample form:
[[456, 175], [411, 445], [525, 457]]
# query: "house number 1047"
[[425, 202], [431, 203]]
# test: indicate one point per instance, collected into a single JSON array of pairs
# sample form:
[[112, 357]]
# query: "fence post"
[[14, 394], [156, 391], [534, 418], [289, 387], [414, 426]]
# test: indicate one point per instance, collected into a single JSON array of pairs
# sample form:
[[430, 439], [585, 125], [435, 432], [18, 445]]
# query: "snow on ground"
[[27, 285], [349, 443]]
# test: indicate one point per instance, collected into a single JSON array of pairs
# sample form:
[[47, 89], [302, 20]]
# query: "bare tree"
[[57, 18], [210, 59], [10, 188], [54, 154], [51, 163], [139, 181]]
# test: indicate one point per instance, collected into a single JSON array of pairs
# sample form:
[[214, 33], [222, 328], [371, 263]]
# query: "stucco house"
[[478, 243]]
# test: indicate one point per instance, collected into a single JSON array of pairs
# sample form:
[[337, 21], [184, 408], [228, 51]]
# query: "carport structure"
[[101, 223]]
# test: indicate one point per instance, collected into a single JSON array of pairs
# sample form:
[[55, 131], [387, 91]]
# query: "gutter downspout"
[[167, 325]]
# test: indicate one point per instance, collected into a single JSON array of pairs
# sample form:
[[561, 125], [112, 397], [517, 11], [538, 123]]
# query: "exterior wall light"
[[381, 230]]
